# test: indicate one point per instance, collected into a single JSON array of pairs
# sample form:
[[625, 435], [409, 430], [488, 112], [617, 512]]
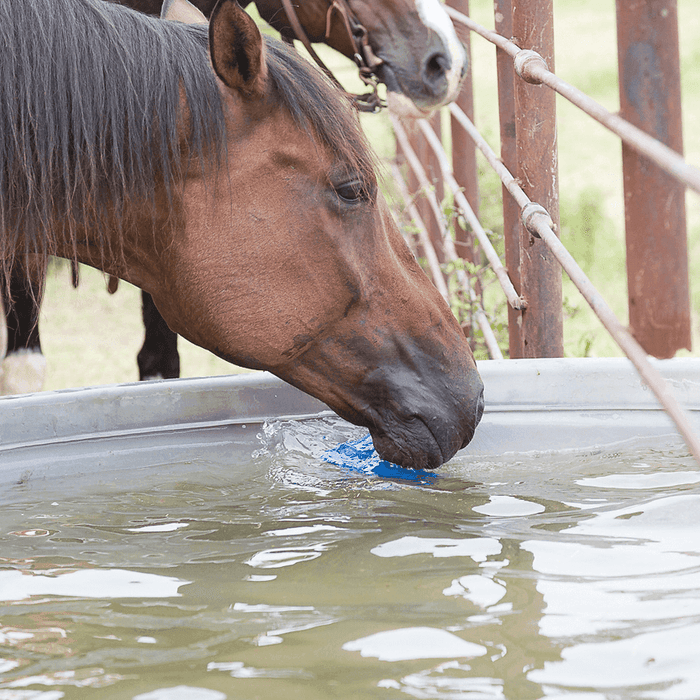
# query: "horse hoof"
[[22, 373], [157, 377]]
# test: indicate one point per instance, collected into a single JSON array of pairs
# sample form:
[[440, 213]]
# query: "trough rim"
[[180, 405]]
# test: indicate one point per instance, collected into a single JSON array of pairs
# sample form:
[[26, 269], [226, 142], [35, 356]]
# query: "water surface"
[[283, 576]]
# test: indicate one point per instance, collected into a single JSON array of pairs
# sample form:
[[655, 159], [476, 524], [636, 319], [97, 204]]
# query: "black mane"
[[89, 113]]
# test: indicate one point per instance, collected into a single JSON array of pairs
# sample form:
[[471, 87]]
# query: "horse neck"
[[312, 16], [128, 244]]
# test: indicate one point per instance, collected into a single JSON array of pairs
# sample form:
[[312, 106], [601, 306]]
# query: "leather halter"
[[366, 60]]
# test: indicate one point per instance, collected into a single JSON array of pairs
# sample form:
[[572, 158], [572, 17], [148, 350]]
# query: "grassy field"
[[90, 337]]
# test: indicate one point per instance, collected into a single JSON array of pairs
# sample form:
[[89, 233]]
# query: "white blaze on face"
[[434, 16]]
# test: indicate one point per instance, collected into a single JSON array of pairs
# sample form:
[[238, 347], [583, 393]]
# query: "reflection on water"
[[288, 577], [415, 643], [16, 584]]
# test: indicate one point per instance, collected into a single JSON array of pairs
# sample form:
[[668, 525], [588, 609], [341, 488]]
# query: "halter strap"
[[366, 60]]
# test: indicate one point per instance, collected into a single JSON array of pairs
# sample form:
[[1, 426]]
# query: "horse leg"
[[158, 357], [24, 366]]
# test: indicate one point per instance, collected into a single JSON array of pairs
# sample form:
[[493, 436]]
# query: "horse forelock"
[[91, 116], [317, 105]]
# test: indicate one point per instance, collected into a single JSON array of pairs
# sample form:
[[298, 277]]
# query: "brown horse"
[[410, 45], [414, 47], [229, 179]]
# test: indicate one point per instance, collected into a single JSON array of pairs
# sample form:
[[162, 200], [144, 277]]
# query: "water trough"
[[539, 405], [184, 539]]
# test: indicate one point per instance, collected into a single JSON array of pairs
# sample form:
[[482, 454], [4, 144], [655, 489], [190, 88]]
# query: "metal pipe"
[[537, 169], [423, 181], [509, 182], [620, 334], [423, 235], [448, 245], [434, 222], [511, 212]]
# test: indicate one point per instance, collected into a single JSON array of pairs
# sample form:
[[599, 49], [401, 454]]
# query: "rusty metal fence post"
[[463, 149], [657, 258], [537, 171], [511, 211]]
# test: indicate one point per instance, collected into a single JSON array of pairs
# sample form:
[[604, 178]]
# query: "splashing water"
[[360, 456]]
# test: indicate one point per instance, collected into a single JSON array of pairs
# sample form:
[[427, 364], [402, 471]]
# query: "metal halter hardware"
[[366, 60]]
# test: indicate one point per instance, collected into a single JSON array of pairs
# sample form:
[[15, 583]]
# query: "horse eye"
[[351, 192]]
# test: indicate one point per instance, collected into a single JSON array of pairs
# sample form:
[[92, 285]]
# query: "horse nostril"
[[435, 69]]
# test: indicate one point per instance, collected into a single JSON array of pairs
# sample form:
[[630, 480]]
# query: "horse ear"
[[237, 49], [182, 11]]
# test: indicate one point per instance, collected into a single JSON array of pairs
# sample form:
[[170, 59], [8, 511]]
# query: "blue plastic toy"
[[360, 456]]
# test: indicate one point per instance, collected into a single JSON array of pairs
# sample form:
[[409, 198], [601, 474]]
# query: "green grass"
[[90, 337]]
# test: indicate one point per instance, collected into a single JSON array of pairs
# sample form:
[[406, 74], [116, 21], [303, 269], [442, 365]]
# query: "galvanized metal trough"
[[103, 435]]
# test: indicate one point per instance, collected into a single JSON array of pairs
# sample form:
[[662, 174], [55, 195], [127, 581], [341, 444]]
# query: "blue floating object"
[[360, 456]]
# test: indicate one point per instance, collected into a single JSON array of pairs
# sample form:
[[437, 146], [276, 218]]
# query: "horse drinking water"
[[235, 186], [409, 45]]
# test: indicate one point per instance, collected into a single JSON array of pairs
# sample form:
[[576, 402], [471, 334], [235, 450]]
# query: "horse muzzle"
[[420, 422], [417, 445], [435, 79]]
